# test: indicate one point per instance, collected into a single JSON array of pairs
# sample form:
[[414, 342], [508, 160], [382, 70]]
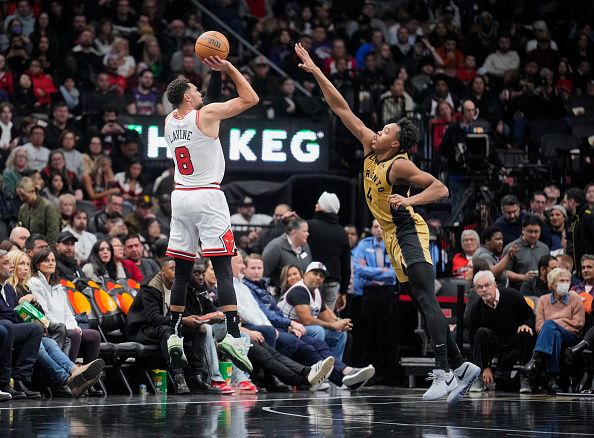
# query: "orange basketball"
[[212, 43]]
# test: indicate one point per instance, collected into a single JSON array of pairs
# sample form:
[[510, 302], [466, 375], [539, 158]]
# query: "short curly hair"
[[408, 136], [176, 90]]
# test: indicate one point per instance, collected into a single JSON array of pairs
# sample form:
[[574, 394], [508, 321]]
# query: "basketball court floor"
[[377, 412]]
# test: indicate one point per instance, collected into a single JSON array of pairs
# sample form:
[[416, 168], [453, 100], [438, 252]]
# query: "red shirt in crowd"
[[43, 87]]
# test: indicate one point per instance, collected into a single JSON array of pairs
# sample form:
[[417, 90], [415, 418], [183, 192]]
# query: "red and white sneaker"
[[247, 386], [223, 387]]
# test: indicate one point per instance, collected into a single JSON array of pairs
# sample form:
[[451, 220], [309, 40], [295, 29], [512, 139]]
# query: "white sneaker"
[[324, 386], [237, 350], [466, 374], [358, 377], [175, 348], [442, 384], [320, 372], [5, 396]]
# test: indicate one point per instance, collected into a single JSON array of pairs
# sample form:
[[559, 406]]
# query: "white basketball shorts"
[[200, 217]]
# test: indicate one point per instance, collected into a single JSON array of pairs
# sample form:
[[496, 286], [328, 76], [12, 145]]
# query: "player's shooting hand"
[[217, 64], [307, 63], [398, 201]]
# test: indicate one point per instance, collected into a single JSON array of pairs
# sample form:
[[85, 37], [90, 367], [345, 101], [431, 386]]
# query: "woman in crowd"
[[67, 142], [19, 280], [99, 180], [45, 53], [290, 274], [17, 166], [559, 320], [563, 82], [43, 84], [129, 267], [153, 58], [104, 264], [43, 28], [50, 294], [462, 262], [57, 165], [23, 98], [131, 182], [9, 133], [444, 117], [104, 36], [94, 151], [127, 63], [54, 189], [37, 214]]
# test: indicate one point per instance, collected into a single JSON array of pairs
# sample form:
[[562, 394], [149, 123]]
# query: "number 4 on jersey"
[[184, 163]]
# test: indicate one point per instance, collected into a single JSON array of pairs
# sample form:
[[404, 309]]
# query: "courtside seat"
[[105, 315]]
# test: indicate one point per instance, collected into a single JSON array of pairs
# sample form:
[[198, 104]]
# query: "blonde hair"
[[553, 276], [119, 42], [97, 167], [15, 257], [13, 154], [27, 184], [65, 197]]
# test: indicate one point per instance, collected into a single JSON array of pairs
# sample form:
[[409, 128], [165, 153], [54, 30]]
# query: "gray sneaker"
[[358, 377]]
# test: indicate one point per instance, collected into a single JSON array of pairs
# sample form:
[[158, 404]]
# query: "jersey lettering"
[[199, 159]]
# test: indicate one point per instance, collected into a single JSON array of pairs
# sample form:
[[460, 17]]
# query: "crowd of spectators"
[[77, 204]]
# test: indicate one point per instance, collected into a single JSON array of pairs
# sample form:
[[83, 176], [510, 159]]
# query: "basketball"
[[212, 43]]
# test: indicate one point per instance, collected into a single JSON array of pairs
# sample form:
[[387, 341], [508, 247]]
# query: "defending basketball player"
[[388, 177], [199, 209]]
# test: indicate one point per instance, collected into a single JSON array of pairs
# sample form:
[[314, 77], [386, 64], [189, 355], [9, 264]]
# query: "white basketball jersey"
[[199, 160]]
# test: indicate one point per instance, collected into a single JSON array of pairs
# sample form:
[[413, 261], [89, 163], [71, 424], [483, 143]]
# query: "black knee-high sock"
[[456, 358], [421, 279], [454, 355], [183, 273], [226, 292]]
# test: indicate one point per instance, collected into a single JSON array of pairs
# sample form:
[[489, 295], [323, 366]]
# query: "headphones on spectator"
[[461, 108]]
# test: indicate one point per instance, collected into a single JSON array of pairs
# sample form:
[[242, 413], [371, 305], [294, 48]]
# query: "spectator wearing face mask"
[[559, 321]]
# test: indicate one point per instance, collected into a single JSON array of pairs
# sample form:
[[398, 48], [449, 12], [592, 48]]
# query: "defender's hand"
[[307, 63]]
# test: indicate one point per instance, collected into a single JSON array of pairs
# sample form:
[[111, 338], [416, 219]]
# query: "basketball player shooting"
[[199, 208], [388, 177]]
